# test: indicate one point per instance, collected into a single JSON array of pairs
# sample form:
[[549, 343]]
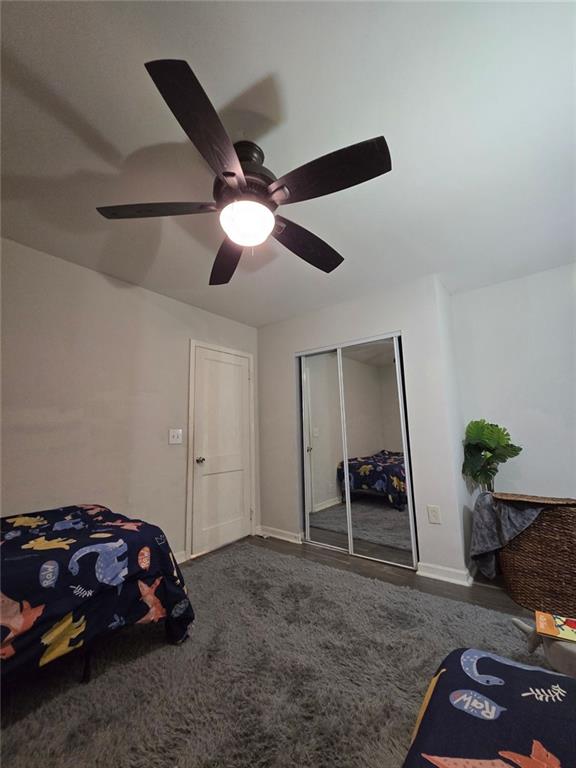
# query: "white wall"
[[391, 427], [95, 371], [515, 357], [416, 311], [363, 402]]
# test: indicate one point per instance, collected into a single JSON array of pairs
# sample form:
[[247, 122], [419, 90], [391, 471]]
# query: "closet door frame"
[[345, 472], [396, 336], [406, 444], [308, 497]]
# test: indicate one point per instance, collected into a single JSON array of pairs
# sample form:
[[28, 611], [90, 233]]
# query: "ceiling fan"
[[247, 194]]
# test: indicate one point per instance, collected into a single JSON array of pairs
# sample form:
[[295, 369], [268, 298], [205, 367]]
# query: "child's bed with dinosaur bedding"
[[70, 575], [486, 711], [383, 473]]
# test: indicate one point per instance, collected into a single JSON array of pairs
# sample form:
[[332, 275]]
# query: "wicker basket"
[[539, 565]]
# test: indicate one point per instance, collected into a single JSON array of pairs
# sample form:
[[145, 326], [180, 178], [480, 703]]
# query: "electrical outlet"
[[175, 437], [433, 514]]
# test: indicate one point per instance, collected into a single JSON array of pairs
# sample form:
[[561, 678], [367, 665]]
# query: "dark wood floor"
[[487, 596]]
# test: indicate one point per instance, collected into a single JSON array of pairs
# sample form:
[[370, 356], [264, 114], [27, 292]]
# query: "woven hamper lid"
[[536, 500]]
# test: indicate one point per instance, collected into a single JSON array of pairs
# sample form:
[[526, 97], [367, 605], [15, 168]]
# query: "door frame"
[[254, 510], [306, 442], [396, 337]]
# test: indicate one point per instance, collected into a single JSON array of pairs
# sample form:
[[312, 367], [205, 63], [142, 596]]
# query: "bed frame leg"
[[87, 668]]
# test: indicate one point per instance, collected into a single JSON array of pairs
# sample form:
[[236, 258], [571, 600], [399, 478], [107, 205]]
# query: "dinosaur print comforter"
[[486, 711], [72, 574], [384, 473]]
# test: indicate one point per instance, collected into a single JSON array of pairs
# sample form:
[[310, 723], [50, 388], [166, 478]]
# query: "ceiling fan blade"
[[306, 245], [146, 210], [194, 111], [225, 262], [338, 170]]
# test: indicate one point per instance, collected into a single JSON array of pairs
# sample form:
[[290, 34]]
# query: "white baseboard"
[[328, 503], [278, 533], [443, 573], [181, 557]]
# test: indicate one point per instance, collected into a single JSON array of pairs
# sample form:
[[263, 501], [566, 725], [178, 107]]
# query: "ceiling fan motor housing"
[[258, 178]]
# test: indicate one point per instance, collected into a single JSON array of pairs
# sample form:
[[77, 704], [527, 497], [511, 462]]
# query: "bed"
[[486, 711], [383, 473], [72, 574]]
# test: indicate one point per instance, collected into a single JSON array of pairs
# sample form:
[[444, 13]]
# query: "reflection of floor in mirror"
[[365, 548], [379, 531], [372, 520]]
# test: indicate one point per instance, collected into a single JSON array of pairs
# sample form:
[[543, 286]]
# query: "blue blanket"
[[383, 473], [486, 711], [72, 574]]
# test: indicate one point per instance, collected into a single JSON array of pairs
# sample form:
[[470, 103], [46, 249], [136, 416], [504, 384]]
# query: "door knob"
[[200, 460]]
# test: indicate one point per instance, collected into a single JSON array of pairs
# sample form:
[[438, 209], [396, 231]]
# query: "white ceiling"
[[375, 353], [476, 102]]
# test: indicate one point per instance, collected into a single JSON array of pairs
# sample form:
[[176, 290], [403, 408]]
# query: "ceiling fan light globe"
[[247, 222]]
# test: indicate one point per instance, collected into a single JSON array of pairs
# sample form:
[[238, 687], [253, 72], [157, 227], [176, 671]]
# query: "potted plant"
[[485, 447]]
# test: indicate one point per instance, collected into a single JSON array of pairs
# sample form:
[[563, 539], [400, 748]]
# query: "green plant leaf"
[[486, 446], [475, 432]]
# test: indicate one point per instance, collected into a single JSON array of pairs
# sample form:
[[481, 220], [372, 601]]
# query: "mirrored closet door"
[[326, 517], [355, 453]]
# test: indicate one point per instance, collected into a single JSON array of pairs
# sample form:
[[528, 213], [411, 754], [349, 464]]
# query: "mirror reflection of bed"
[[375, 462]]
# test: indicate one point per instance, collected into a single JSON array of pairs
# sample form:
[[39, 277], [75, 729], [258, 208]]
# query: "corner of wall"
[[453, 410]]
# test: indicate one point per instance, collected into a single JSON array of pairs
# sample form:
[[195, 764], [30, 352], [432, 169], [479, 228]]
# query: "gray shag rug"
[[372, 521], [291, 663]]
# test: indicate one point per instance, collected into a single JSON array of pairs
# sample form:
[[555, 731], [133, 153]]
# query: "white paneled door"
[[221, 449]]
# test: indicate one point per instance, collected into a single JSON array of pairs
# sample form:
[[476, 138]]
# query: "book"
[[558, 627]]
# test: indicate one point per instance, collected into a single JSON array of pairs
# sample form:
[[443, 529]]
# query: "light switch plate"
[[175, 436], [433, 514]]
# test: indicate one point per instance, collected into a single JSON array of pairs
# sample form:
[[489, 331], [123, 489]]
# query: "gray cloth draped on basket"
[[494, 524]]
